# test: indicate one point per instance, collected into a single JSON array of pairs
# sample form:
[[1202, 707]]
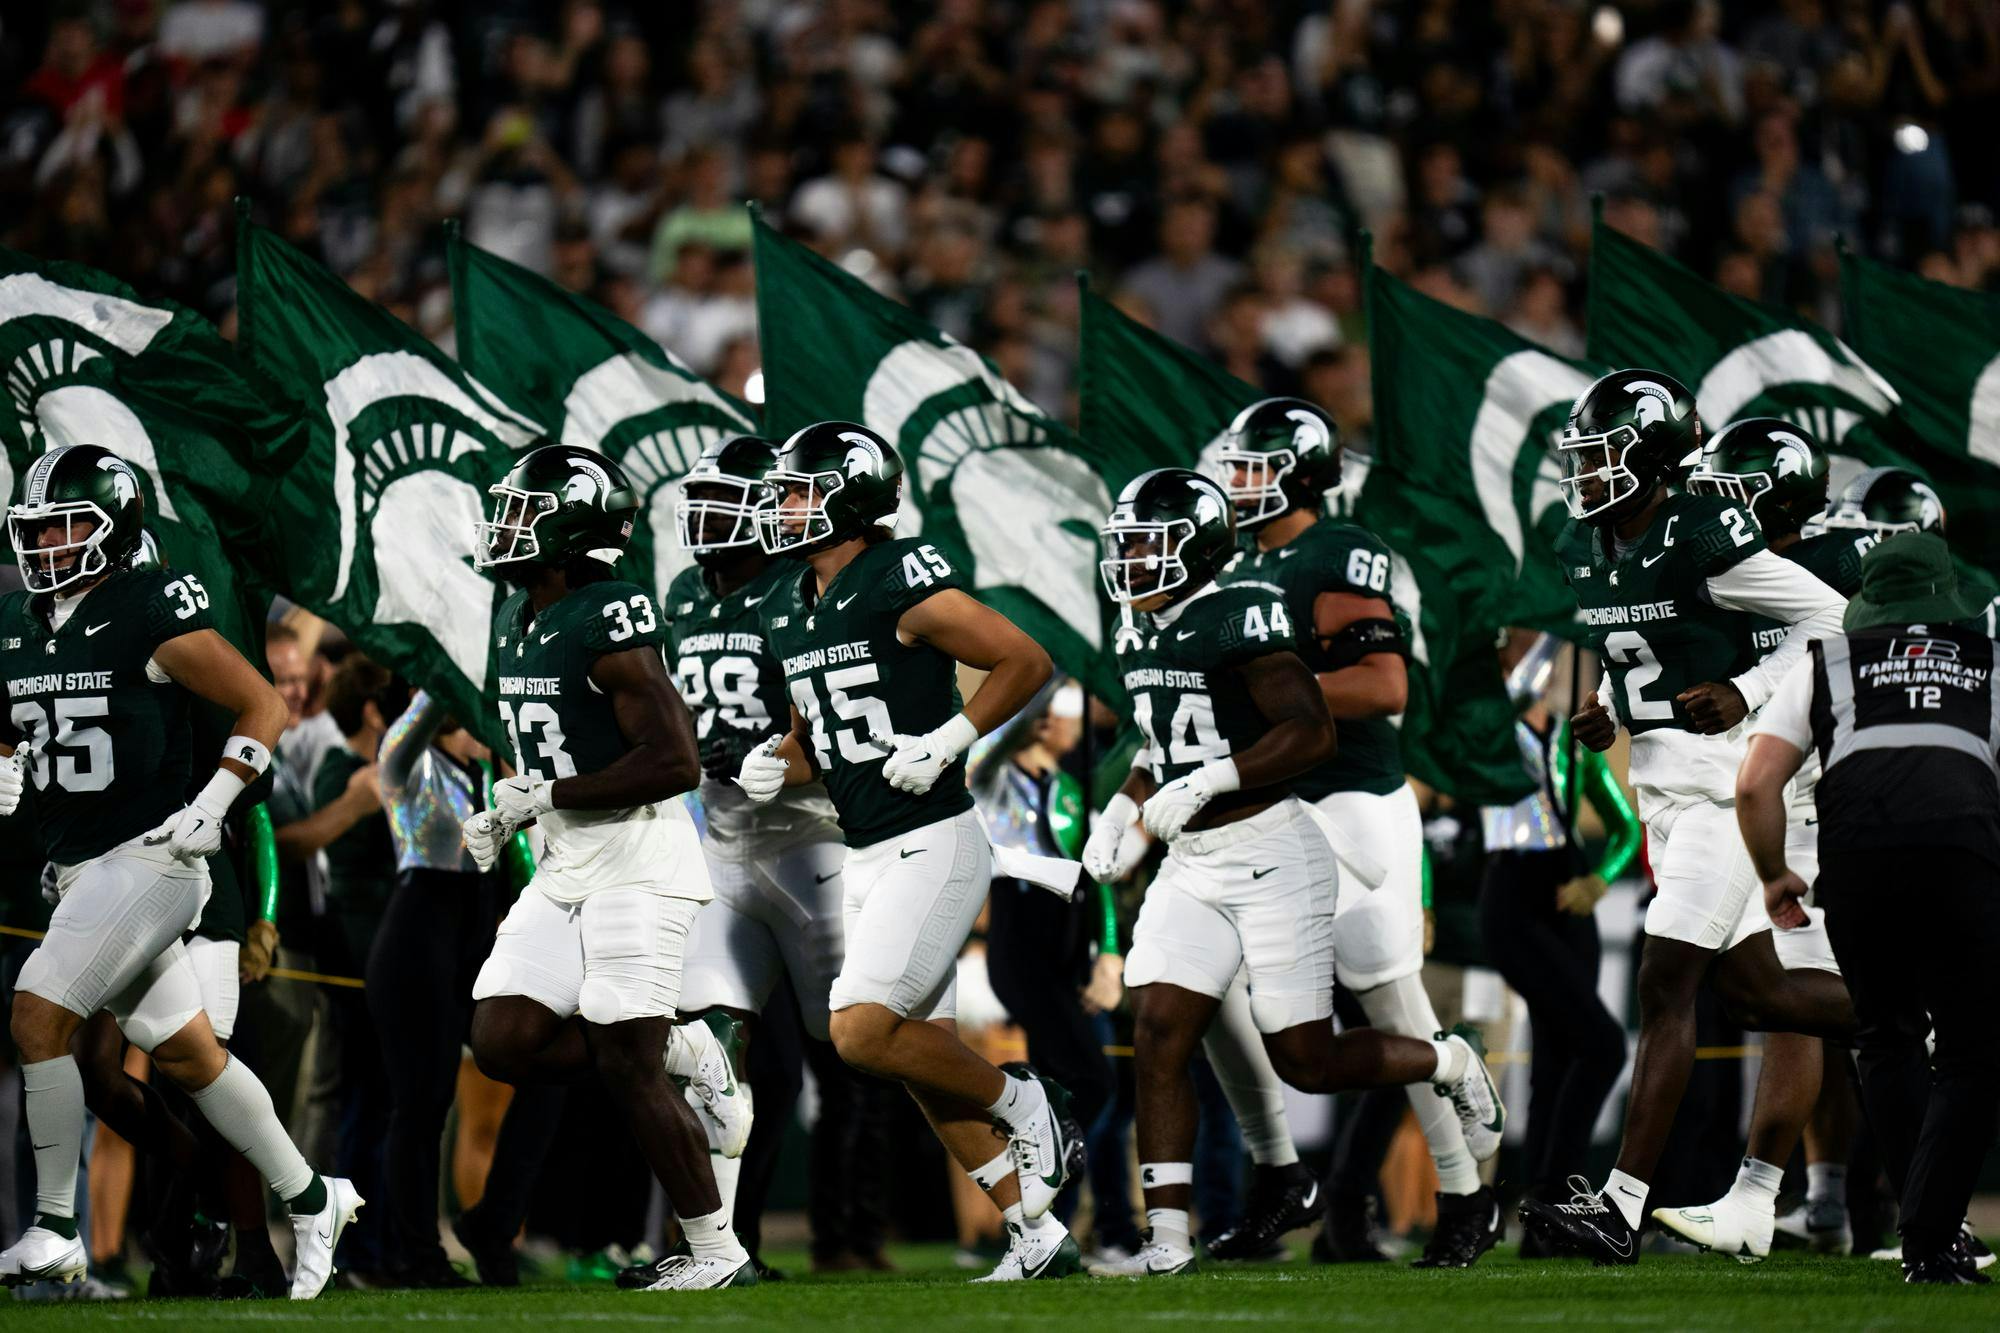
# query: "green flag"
[[1742, 358], [1145, 396], [593, 380], [88, 362], [376, 519], [1010, 493], [1940, 347]]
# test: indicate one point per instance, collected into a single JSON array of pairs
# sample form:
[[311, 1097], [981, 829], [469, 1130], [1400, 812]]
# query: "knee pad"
[[599, 1002], [1378, 940]]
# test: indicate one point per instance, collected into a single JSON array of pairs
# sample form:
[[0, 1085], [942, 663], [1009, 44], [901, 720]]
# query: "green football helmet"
[[559, 503], [1278, 455], [70, 485], [1888, 500], [1172, 531], [717, 510], [833, 481], [1770, 467], [1627, 434]]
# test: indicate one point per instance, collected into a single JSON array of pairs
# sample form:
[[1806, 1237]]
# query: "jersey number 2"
[[1630, 651]]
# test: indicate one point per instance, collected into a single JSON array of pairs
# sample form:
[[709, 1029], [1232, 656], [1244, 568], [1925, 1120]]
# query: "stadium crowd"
[[1210, 163]]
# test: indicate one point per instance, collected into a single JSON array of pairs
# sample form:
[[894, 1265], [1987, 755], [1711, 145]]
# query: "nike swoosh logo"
[[546, 637], [1621, 1248], [326, 1234], [749, 602], [1313, 1197], [1183, 634], [94, 628], [821, 879], [43, 1147], [1259, 874], [841, 605], [1648, 562], [1286, 554], [904, 856]]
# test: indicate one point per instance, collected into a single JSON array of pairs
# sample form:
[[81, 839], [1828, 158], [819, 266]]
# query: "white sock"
[[995, 1171], [1021, 1103], [709, 1236], [1628, 1195], [1826, 1182], [1404, 1007], [1438, 1118], [1235, 1051], [241, 1111], [687, 1044], [55, 1125], [1169, 1227], [728, 1170], [1451, 1063], [1028, 1226], [1757, 1182]]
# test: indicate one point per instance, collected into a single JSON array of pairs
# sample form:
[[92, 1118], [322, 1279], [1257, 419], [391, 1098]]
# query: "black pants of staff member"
[[1916, 931], [1550, 957], [1034, 958], [435, 932]]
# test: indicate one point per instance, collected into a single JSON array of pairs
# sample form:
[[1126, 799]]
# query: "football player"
[[1777, 473], [603, 750], [775, 866], [1884, 501], [1278, 460], [1231, 718], [103, 663], [1667, 582], [870, 634]]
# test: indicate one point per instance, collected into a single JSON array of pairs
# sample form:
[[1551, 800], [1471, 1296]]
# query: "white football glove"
[[916, 762], [517, 801], [1170, 808], [13, 778], [1116, 844], [196, 832], [762, 775], [484, 837]]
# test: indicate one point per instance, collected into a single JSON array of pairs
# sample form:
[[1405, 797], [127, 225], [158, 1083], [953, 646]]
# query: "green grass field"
[[1678, 1291]]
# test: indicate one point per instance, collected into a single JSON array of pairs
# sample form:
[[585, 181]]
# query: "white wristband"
[[1121, 809], [248, 751], [954, 738], [1220, 775], [220, 793]]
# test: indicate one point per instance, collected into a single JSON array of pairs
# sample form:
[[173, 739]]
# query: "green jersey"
[[113, 750], [1834, 558], [1647, 609], [731, 681], [852, 679], [1182, 670], [560, 723], [1334, 556]]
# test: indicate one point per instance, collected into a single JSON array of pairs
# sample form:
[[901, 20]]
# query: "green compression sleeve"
[[264, 860]]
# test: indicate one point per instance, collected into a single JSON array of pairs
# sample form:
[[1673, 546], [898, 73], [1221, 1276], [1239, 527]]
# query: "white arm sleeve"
[[1767, 584], [1788, 715]]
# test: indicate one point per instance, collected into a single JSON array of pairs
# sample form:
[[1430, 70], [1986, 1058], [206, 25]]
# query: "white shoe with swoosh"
[[1154, 1259], [318, 1235]]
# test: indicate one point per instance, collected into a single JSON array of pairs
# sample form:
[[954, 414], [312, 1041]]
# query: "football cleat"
[[1956, 1267], [1282, 1199], [1154, 1259], [1051, 1151], [1349, 1234], [1982, 1257], [686, 1272], [1468, 1225], [1587, 1226], [1475, 1097], [1728, 1226], [43, 1256], [1048, 1252], [318, 1236], [1822, 1227], [722, 1103]]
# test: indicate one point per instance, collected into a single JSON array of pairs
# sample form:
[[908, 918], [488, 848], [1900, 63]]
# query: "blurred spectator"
[[853, 204], [1187, 282]]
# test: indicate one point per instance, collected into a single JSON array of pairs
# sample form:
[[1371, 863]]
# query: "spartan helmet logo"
[[1656, 403], [1211, 507], [1932, 507], [1308, 431], [123, 483], [863, 456], [1794, 455], [590, 483]]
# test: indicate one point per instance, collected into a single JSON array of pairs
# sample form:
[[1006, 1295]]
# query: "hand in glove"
[[722, 753], [1170, 808], [260, 946], [196, 832], [916, 762], [14, 778], [51, 892], [762, 775], [518, 801], [484, 837], [1116, 842]]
